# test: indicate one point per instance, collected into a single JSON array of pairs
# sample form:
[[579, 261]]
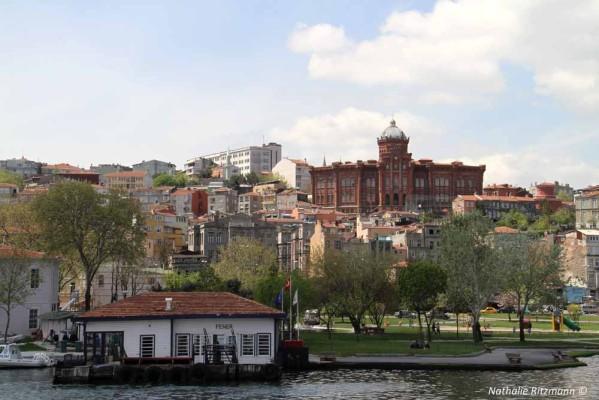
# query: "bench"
[[328, 357], [373, 330], [514, 358]]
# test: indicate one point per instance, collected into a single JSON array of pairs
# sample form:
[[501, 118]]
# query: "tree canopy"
[[74, 219], [180, 179], [10, 177]]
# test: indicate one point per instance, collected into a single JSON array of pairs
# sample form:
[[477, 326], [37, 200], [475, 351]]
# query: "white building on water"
[[198, 327]]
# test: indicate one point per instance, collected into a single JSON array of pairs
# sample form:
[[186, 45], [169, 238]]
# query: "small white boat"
[[11, 357]]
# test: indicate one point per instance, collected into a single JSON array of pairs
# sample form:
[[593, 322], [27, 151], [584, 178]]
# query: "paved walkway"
[[496, 358]]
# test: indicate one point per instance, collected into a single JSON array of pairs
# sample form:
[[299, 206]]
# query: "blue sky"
[[100, 82]]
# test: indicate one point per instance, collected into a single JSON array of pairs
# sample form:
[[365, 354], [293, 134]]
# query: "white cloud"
[[321, 38], [455, 52], [349, 134]]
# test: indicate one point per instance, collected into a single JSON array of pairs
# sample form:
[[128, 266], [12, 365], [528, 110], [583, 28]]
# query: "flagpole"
[[290, 309]]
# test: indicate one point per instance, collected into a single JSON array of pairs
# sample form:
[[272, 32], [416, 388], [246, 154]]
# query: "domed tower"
[[394, 167]]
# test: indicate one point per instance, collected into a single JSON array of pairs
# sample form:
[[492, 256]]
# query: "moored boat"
[[11, 357]]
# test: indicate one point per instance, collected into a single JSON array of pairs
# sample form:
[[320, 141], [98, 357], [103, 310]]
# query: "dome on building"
[[393, 131]]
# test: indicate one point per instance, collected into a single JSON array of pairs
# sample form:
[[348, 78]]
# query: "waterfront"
[[339, 384]]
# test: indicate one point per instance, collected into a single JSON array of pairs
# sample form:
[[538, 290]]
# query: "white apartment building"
[[296, 173], [255, 159]]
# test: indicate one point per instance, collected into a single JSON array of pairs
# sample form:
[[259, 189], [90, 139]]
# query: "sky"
[[510, 84]]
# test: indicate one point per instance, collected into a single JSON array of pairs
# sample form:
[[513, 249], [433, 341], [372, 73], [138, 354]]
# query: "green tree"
[[514, 219], [470, 262], [564, 218], [180, 179], [14, 283], [10, 177], [353, 281], [542, 224], [531, 269], [18, 226], [575, 311], [269, 287], [246, 260], [419, 287], [204, 280], [75, 219]]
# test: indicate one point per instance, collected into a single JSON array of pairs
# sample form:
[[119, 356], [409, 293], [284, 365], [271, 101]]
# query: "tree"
[[575, 311], [15, 285], [470, 263], [419, 287], [204, 280], [180, 179], [531, 268], [10, 177], [74, 218], [246, 260], [564, 218], [353, 281], [514, 219], [18, 227]]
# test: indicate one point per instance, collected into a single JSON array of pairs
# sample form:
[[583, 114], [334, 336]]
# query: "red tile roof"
[[8, 251], [151, 305]]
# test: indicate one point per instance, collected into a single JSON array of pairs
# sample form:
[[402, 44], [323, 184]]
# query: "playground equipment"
[[557, 319]]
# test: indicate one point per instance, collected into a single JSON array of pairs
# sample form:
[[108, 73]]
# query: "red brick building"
[[395, 181]]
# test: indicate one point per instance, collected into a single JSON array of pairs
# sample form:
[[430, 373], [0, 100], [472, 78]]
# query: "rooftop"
[[126, 174], [151, 305]]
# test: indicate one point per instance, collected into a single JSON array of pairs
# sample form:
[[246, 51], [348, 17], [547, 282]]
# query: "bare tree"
[[15, 284]]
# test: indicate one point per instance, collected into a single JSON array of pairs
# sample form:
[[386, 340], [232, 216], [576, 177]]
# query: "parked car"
[[507, 309], [489, 310], [312, 317], [405, 314], [437, 314]]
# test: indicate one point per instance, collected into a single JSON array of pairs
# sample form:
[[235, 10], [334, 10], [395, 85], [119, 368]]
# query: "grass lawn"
[[345, 343]]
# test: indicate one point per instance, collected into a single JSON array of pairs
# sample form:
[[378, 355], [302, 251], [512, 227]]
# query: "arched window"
[[387, 200], [395, 199]]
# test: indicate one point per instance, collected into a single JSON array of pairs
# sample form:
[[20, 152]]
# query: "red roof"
[[8, 251], [152, 305], [484, 197]]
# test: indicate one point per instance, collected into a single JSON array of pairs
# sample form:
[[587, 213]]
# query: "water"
[[339, 384]]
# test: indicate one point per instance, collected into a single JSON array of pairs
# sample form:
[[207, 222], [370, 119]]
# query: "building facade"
[[156, 167], [296, 173], [395, 181], [222, 200], [127, 181], [42, 275], [21, 166], [179, 324], [587, 208], [255, 159]]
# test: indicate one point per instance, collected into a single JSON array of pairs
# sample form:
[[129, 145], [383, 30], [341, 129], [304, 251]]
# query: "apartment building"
[[248, 159]]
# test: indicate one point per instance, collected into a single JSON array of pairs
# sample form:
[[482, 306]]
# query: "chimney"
[[169, 304]]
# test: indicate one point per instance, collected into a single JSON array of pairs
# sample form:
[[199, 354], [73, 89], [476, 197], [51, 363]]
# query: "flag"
[[295, 297], [279, 299], [288, 284]]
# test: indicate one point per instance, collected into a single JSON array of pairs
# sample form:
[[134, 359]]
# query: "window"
[[72, 287], [197, 345], [33, 318], [101, 280], [35, 278], [263, 344], [247, 345], [146, 346], [182, 345]]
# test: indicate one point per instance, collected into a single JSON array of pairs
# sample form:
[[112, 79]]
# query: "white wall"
[[161, 329], [42, 299]]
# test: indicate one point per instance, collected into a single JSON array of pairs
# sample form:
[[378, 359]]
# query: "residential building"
[[222, 200], [198, 167], [156, 167], [332, 236], [43, 281], [249, 203], [289, 199], [207, 237], [255, 159], [505, 189], [21, 166], [268, 191], [495, 206], [190, 202], [70, 172], [128, 180], [186, 261], [166, 233], [587, 208], [395, 181], [420, 241], [581, 260], [183, 324], [296, 173], [8, 192], [103, 169], [293, 242], [148, 198]]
